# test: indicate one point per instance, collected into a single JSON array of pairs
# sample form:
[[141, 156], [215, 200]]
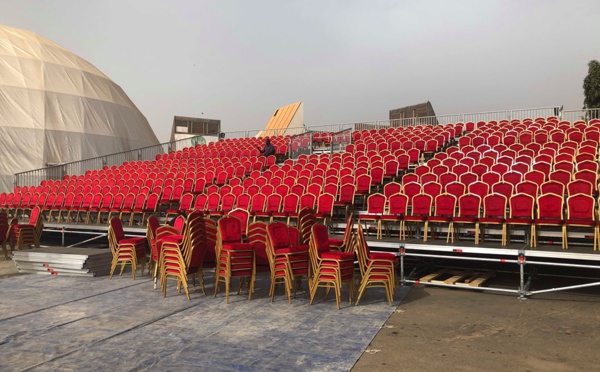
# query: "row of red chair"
[[422, 209], [367, 175]]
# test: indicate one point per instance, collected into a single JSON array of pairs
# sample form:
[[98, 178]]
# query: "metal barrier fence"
[[485, 116], [340, 140], [300, 137], [301, 144], [584, 114], [424, 120], [57, 172], [471, 117], [533, 113]]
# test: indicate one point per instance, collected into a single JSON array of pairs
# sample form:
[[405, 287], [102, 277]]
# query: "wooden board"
[[465, 278], [430, 277], [482, 279], [456, 278]]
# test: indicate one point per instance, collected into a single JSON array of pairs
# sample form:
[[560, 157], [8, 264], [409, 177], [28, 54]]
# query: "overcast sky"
[[346, 60]]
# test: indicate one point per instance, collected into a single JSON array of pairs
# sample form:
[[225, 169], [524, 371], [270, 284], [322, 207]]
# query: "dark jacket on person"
[[268, 150]]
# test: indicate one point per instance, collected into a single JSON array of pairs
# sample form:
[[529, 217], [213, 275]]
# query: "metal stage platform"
[[79, 232], [418, 259], [578, 262]]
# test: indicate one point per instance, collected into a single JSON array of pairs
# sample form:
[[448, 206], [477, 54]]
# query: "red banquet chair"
[[376, 269], [344, 244], [234, 258], [444, 211], [329, 268], [257, 235], [397, 210], [549, 213], [469, 206], [151, 228], [289, 261], [494, 214], [375, 209], [325, 208], [581, 213], [521, 207], [26, 234], [421, 209], [164, 233], [182, 256], [125, 250], [304, 222]]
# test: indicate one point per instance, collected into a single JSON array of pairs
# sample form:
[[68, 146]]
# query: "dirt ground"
[[7, 268], [449, 329]]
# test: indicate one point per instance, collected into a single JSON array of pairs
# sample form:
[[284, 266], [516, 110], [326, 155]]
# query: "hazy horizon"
[[347, 61]]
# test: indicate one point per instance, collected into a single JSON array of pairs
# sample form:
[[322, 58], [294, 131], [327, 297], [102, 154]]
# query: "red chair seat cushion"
[[236, 246], [578, 222], [382, 256], [378, 277], [172, 239], [334, 255], [133, 241], [549, 221], [298, 249]]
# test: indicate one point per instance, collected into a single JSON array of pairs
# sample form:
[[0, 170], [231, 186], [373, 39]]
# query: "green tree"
[[591, 88]]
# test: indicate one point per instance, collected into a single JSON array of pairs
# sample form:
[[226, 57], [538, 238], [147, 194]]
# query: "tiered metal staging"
[[78, 231], [515, 256], [71, 260]]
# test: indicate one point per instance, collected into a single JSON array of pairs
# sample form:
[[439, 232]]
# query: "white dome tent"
[[55, 107]]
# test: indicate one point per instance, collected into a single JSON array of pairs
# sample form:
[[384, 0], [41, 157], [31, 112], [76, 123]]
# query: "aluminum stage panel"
[[64, 261]]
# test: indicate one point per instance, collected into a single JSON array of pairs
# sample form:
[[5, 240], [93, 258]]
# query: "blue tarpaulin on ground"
[[64, 323]]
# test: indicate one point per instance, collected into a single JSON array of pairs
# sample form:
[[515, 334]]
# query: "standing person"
[[268, 150]]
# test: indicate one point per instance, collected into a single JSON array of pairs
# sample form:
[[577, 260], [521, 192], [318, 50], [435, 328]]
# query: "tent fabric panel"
[[24, 44], [97, 87], [61, 79], [23, 150], [22, 73], [57, 56], [60, 146], [64, 112], [6, 47], [21, 108]]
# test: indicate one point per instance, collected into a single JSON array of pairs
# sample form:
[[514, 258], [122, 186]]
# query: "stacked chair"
[[235, 259], [329, 268]]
